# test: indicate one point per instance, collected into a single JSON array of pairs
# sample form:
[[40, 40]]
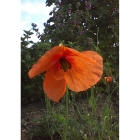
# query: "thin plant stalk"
[[47, 102], [66, 113], [97, 35], [92, 101], [73, 97]]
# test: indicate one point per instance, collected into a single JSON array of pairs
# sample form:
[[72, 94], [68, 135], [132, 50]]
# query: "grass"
[[83, 116]]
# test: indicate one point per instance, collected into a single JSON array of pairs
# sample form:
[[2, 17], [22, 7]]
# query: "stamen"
[[65, 64]]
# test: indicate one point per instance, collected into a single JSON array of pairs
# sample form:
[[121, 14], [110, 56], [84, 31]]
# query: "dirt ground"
[[29, 113], [35, 110]]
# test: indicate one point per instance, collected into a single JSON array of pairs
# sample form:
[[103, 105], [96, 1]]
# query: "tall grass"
[[83, 116]]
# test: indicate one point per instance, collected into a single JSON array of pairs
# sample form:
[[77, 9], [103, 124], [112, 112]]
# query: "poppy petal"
[[84, 73], [53, 86], [45, 62], [94, 56]]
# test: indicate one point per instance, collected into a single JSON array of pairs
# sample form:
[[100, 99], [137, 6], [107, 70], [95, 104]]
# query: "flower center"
[[65, 64]]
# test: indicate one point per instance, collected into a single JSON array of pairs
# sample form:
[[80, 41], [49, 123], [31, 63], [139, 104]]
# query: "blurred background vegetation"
[[79, 24], [82, 25]]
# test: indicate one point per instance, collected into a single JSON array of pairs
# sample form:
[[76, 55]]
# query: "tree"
[[80, 24], [86, 24]]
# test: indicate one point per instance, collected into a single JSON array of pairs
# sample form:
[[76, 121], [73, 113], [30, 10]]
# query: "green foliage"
[[93, 118], [31, 90], [87, 23], [83, 25]]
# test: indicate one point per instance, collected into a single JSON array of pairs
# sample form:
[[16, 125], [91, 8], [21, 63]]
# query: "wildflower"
[[89, 42], [60, 2], [81, 32], [69, 11], [86, 2], [63, 65], [108, 79], [115, 9], [89, 6]]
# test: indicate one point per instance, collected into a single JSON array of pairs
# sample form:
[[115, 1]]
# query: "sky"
[[34, 12]]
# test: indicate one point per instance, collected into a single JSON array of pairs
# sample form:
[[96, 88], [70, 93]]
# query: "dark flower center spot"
[[65, 64]]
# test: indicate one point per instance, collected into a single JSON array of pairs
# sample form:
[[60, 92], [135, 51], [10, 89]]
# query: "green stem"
[[47, 102], [97, 35], [73, 97], [92, 101], [66, 124]]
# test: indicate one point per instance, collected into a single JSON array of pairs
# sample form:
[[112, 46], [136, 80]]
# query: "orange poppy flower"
[[63, 65], [108, 79]]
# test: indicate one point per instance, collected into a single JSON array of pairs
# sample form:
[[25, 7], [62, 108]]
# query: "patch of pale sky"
[[34, 12], [35, 8]]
